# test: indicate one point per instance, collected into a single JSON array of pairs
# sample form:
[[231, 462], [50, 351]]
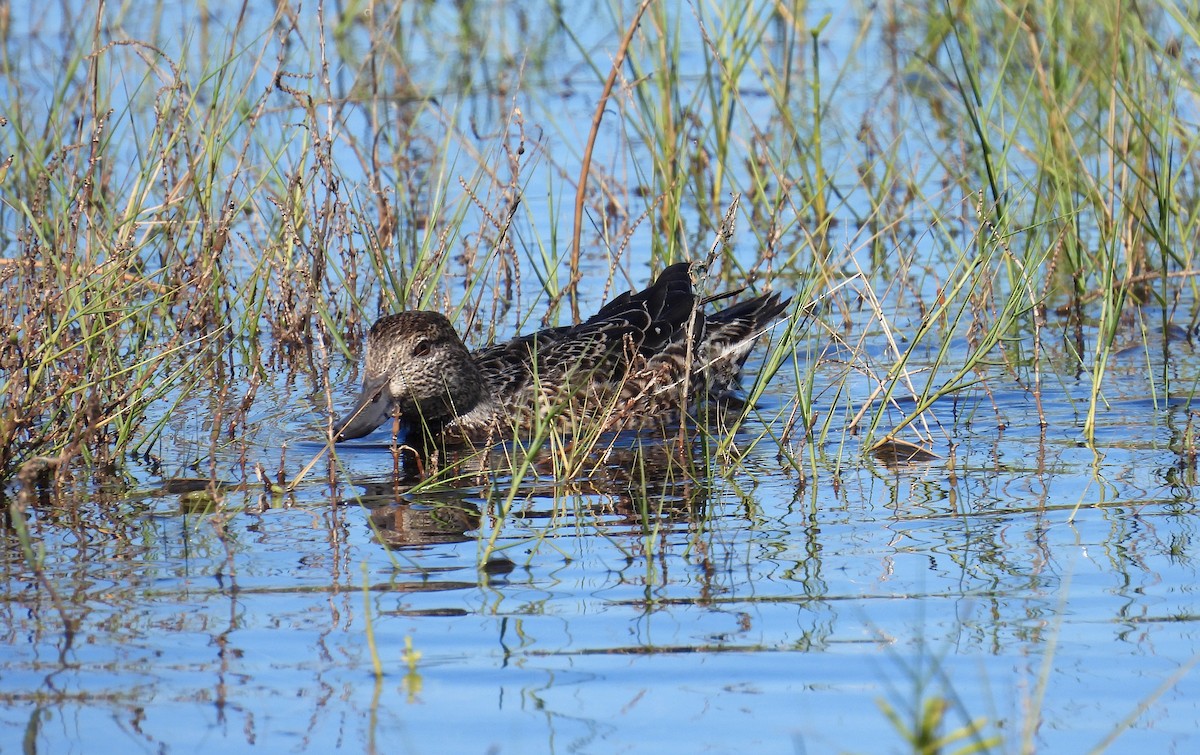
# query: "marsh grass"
[[270, 202], [1083, 143], [923, 728]]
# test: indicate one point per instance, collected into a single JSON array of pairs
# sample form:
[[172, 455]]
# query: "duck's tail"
[[728, 337]]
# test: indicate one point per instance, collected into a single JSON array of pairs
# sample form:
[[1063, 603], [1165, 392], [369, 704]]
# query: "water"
[[1041, 586], [772, 614]]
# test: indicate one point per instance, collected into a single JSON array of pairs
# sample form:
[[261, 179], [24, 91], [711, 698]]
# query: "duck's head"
[[417, 369]]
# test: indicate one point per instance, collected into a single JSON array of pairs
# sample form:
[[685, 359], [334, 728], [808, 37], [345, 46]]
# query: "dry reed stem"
[[586, 164]]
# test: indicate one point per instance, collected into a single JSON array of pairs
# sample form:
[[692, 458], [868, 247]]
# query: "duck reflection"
[[635, 487], [403, 520], [402, 525]]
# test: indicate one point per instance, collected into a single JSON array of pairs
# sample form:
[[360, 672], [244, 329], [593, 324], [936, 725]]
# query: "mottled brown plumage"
[[637, 363]]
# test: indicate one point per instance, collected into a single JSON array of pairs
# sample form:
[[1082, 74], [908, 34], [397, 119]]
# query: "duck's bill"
[[370, 411]]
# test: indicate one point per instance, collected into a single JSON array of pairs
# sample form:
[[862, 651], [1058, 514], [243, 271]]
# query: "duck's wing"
[[672, 286], [595, 355], [567, 359]]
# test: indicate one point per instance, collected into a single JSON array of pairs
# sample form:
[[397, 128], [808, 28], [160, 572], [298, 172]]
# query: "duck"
[[644, 360]]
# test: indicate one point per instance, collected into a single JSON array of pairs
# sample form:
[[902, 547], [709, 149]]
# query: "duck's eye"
[[422, 348]]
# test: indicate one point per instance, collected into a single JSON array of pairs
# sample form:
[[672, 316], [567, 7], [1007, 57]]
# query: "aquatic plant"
[[169, 219]]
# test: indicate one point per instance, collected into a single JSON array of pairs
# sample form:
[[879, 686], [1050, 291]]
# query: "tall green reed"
[[279, 195]]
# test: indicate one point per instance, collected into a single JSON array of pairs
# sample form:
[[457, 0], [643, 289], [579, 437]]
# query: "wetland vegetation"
[[956, 514]]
